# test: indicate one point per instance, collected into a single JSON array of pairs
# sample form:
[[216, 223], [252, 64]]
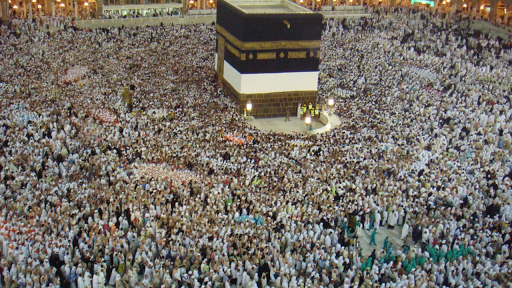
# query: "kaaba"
[[268, 52]]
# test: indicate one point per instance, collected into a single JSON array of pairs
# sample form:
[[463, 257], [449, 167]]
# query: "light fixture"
[[34, 1], [15, 6], [248, 106], [301, 1], [448, 1], [62, 5], [86, 3], [39, 6], [465, 5], [308, 120], [482, 7], [211, 1], [444, 2], [191, 2]]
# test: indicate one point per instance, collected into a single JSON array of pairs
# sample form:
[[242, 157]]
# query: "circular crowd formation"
[[93, 195]]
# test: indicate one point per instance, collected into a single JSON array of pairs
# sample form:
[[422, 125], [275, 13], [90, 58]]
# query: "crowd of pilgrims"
[[424, 148]]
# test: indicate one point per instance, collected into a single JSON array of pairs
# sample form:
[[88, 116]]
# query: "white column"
[[5, 11], [29, 9], [99, 7], [313, 6], [76, 9], [505, 18], [53, 8], [184, 9]]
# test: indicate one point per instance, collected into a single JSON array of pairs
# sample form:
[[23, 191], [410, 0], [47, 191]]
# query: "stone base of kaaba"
[[267, 105]]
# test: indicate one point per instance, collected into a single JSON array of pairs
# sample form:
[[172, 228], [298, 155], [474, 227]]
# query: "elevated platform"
[[146, 21], [141, 6], [344, 12], [202, 12]]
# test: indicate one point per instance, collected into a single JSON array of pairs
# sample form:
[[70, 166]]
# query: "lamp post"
[[330, 102], [248, 107], [307, 120]]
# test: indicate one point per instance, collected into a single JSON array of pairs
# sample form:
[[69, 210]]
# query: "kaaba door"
[[221, 46]]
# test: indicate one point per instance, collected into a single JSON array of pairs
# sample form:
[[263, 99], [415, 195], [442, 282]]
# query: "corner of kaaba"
[[268, 53]]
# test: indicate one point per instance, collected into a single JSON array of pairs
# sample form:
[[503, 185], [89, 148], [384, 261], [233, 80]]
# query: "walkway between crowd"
[[393, 238]]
